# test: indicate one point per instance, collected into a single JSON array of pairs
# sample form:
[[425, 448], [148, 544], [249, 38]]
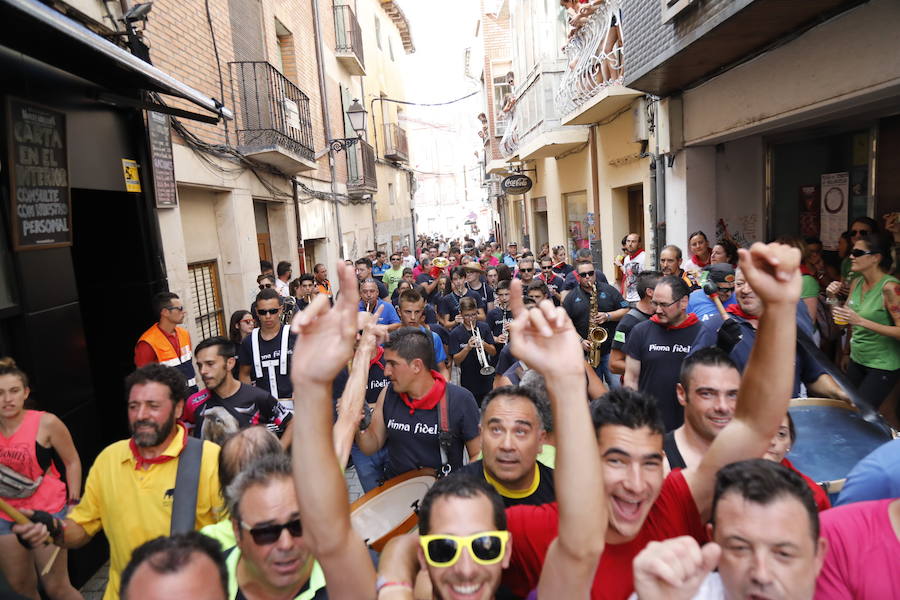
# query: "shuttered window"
[[207, 304]]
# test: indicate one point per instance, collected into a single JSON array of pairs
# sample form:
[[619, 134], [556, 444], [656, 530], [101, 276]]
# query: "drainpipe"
[[326, 120]]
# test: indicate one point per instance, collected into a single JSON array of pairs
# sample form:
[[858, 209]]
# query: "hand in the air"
[[773, 271], [544, 337], [326, 335], [673, 569]]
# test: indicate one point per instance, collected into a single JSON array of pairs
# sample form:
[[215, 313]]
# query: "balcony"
[[348, 43], [591, 89], [703, 39], [361, 170], [274, 124], [534, 129], [395, 145]]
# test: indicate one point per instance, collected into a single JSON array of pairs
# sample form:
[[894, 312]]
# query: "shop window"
[[207, 309], [576, 221]]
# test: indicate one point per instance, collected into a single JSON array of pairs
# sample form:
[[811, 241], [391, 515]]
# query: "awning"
[[40, 32]]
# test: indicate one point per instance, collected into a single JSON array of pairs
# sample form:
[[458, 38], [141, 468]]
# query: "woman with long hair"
[[240, 326], [29, 439], [873, 315]]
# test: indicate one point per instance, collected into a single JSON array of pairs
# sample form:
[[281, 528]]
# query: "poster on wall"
[[809, 210], [834, 199], [39, 176]]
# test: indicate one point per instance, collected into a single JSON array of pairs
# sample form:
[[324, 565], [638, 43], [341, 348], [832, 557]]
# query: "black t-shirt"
[[441, 332], [543, 494], [270, 361], [578, 306], [564, 270], [449, 304], [555, 283], [505, 360], [469, 375], [485, 292], [661, 352], [496, 317], [626, 324], [246, 407], [377, 381], [412, 440]]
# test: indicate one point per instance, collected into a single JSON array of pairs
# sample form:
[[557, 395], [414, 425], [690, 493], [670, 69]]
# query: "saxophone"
[[596, 334]]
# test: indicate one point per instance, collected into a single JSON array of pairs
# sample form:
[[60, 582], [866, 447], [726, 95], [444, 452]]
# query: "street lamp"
[[357, 115]]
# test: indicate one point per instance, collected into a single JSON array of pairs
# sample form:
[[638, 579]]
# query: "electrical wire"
[[428, 103], [212, 36]]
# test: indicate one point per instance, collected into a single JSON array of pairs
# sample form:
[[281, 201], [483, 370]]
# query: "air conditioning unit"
[[670, 122], [639, 120]]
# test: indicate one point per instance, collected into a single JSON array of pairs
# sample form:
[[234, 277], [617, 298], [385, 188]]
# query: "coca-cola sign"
[[516, 184]]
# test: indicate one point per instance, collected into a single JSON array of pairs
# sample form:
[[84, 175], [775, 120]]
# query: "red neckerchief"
[[376, 360], [141, 461], [735, 309], [690, 320], [634, 254], [700, 263], [804, 270], [560, 265], [430, 399]]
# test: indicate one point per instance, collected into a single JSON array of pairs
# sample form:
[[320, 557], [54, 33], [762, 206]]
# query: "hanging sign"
[[39, 176], [159, 134], [516, 184]]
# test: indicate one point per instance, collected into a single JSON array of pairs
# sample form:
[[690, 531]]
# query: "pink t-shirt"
[[863, 550]]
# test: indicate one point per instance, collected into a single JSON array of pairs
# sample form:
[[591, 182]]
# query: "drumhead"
[[390, 509]]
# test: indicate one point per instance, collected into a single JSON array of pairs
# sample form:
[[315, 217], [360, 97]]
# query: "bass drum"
[[391, 509], [832, 437]]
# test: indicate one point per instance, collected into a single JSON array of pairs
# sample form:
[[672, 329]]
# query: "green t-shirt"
[[809, 287], [314, 589], [391, 278], [868, 348]]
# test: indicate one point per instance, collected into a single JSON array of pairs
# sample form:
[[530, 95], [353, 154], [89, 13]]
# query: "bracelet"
[[382, 583]]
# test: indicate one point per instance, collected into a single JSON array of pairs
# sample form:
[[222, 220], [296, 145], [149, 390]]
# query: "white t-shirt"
[[710, 589], [282, 288], [631, 268]]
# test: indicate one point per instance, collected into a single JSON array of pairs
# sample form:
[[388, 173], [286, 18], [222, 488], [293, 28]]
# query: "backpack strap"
[[444, 436], [187, 479]]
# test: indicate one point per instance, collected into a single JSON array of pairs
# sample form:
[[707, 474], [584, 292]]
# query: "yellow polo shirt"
[[134, 506]]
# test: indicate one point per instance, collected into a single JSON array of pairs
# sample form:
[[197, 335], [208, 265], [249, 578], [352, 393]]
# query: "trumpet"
[[486, 369]]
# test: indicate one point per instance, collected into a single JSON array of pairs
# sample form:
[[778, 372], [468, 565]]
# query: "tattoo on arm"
[[892, 301]]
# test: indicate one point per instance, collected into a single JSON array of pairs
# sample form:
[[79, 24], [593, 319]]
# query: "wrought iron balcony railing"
[[395, 144], [595, 55], [533, 112], [274, 113], [348, 41], [361, 169]]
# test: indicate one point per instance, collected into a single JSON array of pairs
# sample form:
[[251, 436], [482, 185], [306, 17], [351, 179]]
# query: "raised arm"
[[325, 339], [547, 340], [773, 272]]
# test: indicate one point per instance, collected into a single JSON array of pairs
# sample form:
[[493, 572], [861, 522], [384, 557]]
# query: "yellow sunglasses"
[[485, 548]]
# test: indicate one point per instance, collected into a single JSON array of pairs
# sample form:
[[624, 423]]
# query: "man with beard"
[[707, 389], [130, 488], [165, 342], [640, 312], [746, 313], [227, 405], [644, 505], [655, 348], [670, 264], [766, 543]]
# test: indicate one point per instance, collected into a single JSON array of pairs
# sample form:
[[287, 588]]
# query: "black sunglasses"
[[263, 286], [269, 534], [587, 274], [526, 270], [267, 311], [862, 232], [856, 252]]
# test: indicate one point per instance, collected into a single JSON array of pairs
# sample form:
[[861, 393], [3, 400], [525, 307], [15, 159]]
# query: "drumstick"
[[21, 519], [712, 290]]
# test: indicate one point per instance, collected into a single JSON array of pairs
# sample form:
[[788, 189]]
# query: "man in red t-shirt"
[[643, 505]]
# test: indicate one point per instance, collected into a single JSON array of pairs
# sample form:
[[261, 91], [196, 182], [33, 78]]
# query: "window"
[[391, 198], [378, 32], [391, 48], [501, 90], [207, 299]]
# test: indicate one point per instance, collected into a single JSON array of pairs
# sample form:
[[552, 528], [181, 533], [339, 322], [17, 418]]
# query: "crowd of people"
[[588, 436]]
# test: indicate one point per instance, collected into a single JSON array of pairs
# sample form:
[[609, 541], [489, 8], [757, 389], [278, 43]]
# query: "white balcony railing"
[[595, 54], [532, 113]]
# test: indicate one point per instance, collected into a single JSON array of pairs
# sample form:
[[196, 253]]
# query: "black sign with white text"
[[39, 176], [516, 184], [160, 137]]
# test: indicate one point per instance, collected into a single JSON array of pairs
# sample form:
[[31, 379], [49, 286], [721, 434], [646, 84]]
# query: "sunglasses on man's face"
[[587, 274], [267, 311], [263, 286], [526, 270], [862, 232], [485, 548], [267, 535]]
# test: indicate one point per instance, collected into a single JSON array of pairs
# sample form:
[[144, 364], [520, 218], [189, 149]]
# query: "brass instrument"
[[486, 368], [596, 334], [440, 262]]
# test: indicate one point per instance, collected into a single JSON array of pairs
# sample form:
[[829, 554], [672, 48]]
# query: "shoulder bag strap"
[[444, 436], [254, 346], [187, 479], [285, 335]]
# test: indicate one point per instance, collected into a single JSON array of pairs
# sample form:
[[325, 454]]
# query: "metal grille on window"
[[207, 303]]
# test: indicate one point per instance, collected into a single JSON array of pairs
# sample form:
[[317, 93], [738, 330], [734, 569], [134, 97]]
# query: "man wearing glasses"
[[555, 283], [272, 558], [391, 277], [265, 354], [655, 348], [165, 342], [611, 307]]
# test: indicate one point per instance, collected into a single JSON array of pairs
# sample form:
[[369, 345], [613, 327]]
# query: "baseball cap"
[[721, 274]]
